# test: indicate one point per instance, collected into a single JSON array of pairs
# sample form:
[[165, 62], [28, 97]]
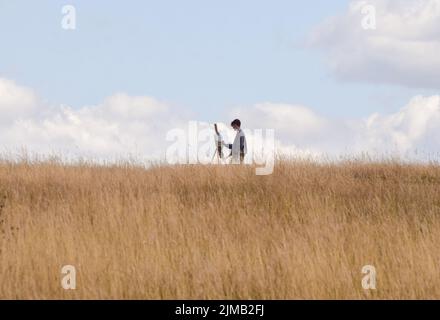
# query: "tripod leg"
[[215, 153]]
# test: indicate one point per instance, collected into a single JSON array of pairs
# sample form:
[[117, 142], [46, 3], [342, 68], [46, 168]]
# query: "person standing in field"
[[239, 147]]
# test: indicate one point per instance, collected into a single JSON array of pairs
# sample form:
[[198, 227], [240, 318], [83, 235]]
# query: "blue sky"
[[202, 55], [305, 68]]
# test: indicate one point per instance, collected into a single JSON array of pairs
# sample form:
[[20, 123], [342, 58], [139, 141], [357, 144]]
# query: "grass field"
[[217, 232]]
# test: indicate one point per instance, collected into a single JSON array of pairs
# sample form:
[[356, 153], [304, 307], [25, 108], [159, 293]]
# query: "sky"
[[131, 71]]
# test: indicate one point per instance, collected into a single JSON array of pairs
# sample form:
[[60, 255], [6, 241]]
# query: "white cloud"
[[122, 125], [302, 121], [411, 130], [414, 127], [403, 49], [15, 101]]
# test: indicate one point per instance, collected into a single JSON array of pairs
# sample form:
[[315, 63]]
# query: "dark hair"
[[236, 122]]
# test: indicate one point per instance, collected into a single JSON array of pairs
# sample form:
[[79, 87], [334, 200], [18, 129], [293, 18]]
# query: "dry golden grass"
[[216, 232]]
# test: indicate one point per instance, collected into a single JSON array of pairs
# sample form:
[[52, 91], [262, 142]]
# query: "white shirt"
[[239, 146]]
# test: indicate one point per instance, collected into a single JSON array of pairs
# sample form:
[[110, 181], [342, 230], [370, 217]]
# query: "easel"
[[218, 148]]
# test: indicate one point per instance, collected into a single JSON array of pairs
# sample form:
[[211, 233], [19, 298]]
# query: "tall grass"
[[220, 232]]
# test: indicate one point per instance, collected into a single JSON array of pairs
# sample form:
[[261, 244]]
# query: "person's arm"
[[227, 145], [242, 142]]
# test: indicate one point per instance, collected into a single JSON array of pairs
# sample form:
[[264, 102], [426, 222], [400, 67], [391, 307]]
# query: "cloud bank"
[[120, 126], [124, 126], [409, 133]]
